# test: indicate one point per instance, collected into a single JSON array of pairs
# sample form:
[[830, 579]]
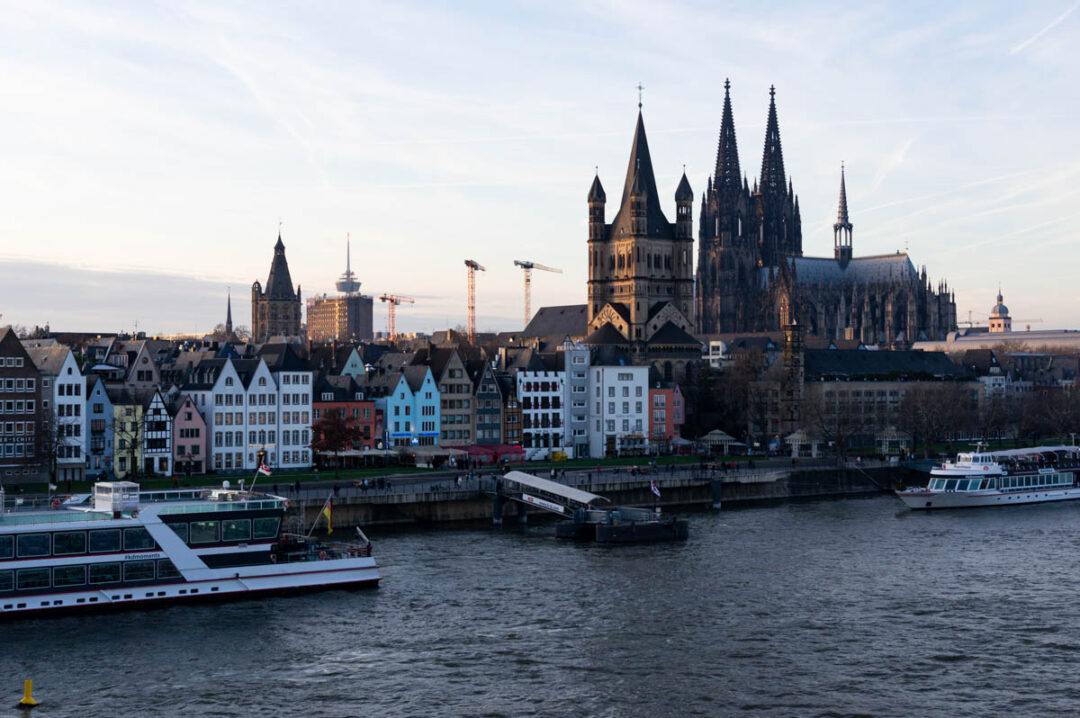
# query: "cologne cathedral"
[[750, 262]]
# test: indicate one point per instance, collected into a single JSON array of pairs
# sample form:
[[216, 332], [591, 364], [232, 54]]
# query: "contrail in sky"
[[1053, 23]]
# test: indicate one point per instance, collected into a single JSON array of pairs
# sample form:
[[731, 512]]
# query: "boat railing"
[[215, 506], [27, 518]]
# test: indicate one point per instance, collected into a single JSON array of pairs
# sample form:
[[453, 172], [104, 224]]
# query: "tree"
[[933, 411], [129, 428], [333, 433], [833, 419]]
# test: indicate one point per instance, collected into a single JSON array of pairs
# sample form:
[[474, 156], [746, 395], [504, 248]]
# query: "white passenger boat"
[[1000, 478], [121, 547]]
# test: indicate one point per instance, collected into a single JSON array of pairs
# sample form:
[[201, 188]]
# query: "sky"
[[149, 152]]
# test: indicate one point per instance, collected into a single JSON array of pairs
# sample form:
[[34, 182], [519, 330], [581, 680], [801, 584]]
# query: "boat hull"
[[228, 584], [923, 500]]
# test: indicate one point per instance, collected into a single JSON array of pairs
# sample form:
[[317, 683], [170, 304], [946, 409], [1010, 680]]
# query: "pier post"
[[497, 507]]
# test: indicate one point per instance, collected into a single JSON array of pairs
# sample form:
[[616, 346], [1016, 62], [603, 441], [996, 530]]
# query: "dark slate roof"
[[640, 178], [864, 364], [279, 283], [596, 192], [328, 357], [414, 375], [671, 333], [281, 357], [683, 191], [567, 320], [606, 335], [860, 270], [49, 360], [980, 361], [611, 355]]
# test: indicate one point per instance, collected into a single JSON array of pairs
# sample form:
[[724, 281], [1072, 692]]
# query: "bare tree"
[[933, 412], [832, 419]]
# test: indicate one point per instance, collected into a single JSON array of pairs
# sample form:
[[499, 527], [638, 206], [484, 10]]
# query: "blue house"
[[98, 430], [411, 408]]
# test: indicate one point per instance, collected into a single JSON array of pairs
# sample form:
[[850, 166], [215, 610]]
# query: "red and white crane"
[[473, 267], [393, 300]]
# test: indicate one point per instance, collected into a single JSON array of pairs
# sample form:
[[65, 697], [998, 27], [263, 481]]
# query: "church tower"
[[728, 255], [275, 311], [641, 261], [842, 229], [780, 229]]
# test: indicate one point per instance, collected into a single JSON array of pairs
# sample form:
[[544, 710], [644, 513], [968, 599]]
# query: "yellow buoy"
[[27, 699]]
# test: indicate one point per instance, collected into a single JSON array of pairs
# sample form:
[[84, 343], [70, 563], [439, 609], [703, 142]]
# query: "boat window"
[[138, 538], [236, 530], [266, 527], [69, 542], [29, 578], [166, 569], [961, 485], [138, 570], [105, 541], [7, 546], [6, 580], [991, 483], [204, 531], [33, 545], [69, 576], [104, 572], [950, 485], [180, 529]]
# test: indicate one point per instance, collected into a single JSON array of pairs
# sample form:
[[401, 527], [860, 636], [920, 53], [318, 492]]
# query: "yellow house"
[[128, 429]]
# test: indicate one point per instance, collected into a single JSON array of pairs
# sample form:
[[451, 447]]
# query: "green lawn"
[[283, 477]]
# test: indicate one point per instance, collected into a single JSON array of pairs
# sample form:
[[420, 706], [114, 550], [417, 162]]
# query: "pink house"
[[189, 438]]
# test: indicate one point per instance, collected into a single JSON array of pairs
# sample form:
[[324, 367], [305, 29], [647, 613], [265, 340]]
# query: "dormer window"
[[228, 381]]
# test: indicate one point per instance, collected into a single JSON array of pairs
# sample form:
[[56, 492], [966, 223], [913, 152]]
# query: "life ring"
[[986, 468], [56, 502], [322, 555]]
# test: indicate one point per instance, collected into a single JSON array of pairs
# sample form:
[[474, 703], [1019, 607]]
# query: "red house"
[[666, 416], [344, 394]]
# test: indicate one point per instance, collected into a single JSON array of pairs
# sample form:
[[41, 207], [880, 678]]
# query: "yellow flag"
[[327, 513]]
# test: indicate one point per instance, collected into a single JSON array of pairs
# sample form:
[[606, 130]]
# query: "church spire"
[[727, 151], [842, 213], [228, 313], [842, 249], [640, 164], [772, 159]]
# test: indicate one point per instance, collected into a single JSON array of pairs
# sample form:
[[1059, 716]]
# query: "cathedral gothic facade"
[[750, 256]]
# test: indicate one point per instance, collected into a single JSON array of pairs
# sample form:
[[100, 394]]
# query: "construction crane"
[[528, 267], [473, 266], [393, 300]]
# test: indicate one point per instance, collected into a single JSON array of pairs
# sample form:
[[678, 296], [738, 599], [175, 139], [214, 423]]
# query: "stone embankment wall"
[[468, 503]]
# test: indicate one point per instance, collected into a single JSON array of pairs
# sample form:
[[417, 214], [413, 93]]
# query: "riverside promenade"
[[466, 496]]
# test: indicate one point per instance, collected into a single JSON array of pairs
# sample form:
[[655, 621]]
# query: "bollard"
[[28, 689]]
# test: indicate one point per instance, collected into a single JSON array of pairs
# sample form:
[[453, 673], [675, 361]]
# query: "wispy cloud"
[[1050, 26]]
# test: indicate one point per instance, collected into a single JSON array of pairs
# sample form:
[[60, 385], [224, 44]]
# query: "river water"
[[826, 608]]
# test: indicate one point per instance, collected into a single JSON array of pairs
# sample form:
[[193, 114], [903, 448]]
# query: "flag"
[[327, 510], [264, 469], [655, 490]]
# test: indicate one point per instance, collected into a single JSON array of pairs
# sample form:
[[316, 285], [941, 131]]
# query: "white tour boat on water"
[[121, 547], [1000, 478]]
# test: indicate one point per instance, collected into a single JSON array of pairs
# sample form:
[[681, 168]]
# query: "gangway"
[[546, 494]]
